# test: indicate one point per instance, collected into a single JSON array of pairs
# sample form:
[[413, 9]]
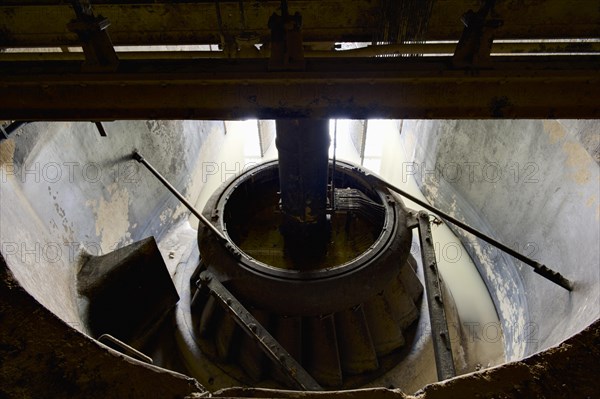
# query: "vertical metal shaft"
[[303, 147]]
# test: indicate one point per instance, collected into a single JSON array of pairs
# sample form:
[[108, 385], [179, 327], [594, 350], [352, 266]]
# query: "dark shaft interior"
[[303, 146]]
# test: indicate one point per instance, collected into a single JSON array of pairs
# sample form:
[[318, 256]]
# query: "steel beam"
[[33, 23], [534, 19], [284, 362], [435, 302], [425, 88]]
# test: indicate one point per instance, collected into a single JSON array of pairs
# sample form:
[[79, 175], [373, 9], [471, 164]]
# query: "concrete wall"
[[533, 185], [66, 191]]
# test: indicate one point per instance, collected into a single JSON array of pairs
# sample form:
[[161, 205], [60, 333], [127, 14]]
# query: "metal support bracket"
[[298, 376], [287, 52], [439, 325], [4, 134], [7, 130], [100, 55], [475, 44], [100, 129]]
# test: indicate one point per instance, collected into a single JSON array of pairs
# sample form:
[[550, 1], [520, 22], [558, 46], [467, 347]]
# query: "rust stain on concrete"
[[579, 161], [555, 130], [7, 152]]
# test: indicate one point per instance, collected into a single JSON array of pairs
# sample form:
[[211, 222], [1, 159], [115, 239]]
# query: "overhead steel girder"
[[446, 48], [184, 22], [423, 87], [39, 23]]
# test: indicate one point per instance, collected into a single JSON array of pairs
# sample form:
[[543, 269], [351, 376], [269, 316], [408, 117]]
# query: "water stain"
[[579, 160]]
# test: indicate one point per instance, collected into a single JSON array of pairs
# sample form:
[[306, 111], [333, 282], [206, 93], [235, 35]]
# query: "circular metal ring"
[[306, 292]]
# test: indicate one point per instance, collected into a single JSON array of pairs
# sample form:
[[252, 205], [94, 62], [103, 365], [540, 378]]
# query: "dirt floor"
[[41, 356]]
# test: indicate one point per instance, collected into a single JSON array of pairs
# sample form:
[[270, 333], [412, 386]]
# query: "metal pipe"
[[363, 142], [540, 269], [513, 48], [333, 165], [122, 347], [138, 157]]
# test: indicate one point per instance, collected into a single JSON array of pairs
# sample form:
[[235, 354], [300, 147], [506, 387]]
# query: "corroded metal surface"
[[128, 291], [251, 326], [435, 302], [303, 146], [186, 22], [333, 317], [264, 285], [405, 87]]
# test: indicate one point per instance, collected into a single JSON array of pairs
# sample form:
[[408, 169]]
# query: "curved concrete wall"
[[66, 191], [533, 185]]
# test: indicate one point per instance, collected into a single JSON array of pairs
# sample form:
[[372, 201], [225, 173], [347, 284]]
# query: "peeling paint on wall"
[[52, 212], [546, 207], [67, 232], [112, 218]]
